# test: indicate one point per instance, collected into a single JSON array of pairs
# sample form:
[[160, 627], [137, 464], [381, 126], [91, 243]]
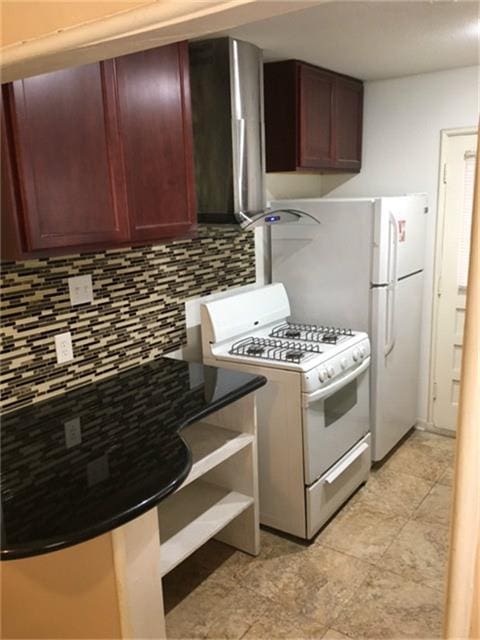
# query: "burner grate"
[[274, 349], [310, 332]]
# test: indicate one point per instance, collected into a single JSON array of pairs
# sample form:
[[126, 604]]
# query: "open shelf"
[[191, 516], [210, 445]]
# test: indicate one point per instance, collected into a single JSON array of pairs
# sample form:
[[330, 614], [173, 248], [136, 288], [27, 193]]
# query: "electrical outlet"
[[73, 432], [81, 289], [63, 347]]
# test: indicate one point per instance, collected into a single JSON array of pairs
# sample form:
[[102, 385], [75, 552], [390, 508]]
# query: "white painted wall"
[[403, 118]]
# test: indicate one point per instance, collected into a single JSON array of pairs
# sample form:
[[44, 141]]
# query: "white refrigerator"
[[362, 268]]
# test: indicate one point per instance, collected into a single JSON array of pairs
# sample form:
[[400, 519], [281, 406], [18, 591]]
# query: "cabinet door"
[[316, 111], [67, 156], [348, 123], [9, 232], [156, 130]]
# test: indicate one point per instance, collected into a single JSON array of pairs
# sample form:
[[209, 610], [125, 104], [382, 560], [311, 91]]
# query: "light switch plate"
[[81, 289], [63, 347]]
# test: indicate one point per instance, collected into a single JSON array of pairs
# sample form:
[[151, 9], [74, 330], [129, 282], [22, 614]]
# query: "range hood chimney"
[[226, 79]]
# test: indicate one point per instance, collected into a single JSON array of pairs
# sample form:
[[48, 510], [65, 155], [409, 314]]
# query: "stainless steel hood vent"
[[226, 79]]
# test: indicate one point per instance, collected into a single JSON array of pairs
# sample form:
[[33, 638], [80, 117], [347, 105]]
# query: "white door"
[[455, 203]]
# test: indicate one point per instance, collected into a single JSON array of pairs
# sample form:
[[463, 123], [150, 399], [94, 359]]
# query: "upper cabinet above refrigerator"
[[313, 119]]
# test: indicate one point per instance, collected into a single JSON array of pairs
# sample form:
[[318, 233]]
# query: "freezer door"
[[394, 372], [399, 237], [326, 268]]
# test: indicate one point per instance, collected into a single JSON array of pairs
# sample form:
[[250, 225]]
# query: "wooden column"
[[462, 617], [108, 587]]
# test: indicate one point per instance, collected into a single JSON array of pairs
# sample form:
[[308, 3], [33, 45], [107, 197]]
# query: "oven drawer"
[[330, 491]]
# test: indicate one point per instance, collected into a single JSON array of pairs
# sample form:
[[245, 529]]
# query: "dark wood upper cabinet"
[[156, 132], [68, 158], [101, 154], [316, 111], [348, 117], [10, 232], [313, 118]]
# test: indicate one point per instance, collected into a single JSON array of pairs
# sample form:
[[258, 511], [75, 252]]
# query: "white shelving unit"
[[210, 445], [199, 512], [219, 498]]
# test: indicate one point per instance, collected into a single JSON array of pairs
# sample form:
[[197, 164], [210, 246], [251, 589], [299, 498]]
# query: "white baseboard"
[[424, 425]]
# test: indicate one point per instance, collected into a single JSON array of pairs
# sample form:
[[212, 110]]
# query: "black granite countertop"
[[94, 458]]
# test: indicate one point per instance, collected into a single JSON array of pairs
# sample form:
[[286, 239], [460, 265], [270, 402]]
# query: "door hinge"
[[434, 391], [444, 173], [439, 284]]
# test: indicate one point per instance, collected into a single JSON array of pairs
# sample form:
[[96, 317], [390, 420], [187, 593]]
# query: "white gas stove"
[[313, 415], [320, 353]]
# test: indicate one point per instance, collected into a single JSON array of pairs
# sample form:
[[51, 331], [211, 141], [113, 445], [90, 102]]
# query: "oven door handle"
[[310, 398], [350, 459]]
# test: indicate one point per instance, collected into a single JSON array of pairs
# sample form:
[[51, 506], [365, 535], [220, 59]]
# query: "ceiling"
[[30, 19], [373, 40], [45, 35]]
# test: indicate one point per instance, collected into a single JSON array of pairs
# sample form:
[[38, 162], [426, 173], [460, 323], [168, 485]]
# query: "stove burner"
[[292, 333], [294, 356], [330, 338], [255, 350], [273, 349], [311, 332]]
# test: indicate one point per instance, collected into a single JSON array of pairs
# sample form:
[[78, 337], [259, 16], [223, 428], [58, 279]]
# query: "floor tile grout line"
[[388, 514], [387, 469], [395, 537], [347, 603], [368, 567], [373, 565], [345, 553], [383, 571], [432, 522], [342, 632]]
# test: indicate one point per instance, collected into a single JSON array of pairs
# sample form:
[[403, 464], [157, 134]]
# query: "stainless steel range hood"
[[226, 79]]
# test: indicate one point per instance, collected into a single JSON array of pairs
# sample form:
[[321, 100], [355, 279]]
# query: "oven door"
[[334, 419]]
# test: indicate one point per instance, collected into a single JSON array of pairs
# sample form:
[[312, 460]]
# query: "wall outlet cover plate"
[[63, 347], [81, 289]]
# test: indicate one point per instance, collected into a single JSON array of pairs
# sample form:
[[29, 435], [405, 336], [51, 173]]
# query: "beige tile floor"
[[377, 570]]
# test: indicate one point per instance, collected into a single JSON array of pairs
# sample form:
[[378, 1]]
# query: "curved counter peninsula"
[[108, 487]]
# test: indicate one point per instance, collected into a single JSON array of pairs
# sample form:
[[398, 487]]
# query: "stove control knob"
[[356, 354], [363, 351], [322, 375], [344, 363], [331, 372]]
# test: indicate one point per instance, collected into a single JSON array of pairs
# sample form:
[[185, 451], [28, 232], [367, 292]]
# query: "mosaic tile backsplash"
[[137, 312]]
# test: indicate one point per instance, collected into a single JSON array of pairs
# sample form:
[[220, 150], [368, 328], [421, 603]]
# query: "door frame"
[[445, 134]]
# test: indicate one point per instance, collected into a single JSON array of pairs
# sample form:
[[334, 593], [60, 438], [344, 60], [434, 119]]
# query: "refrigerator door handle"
[[392, 289]]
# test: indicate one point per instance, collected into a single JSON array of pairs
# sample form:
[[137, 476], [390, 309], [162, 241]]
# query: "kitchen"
[[142, 292]]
